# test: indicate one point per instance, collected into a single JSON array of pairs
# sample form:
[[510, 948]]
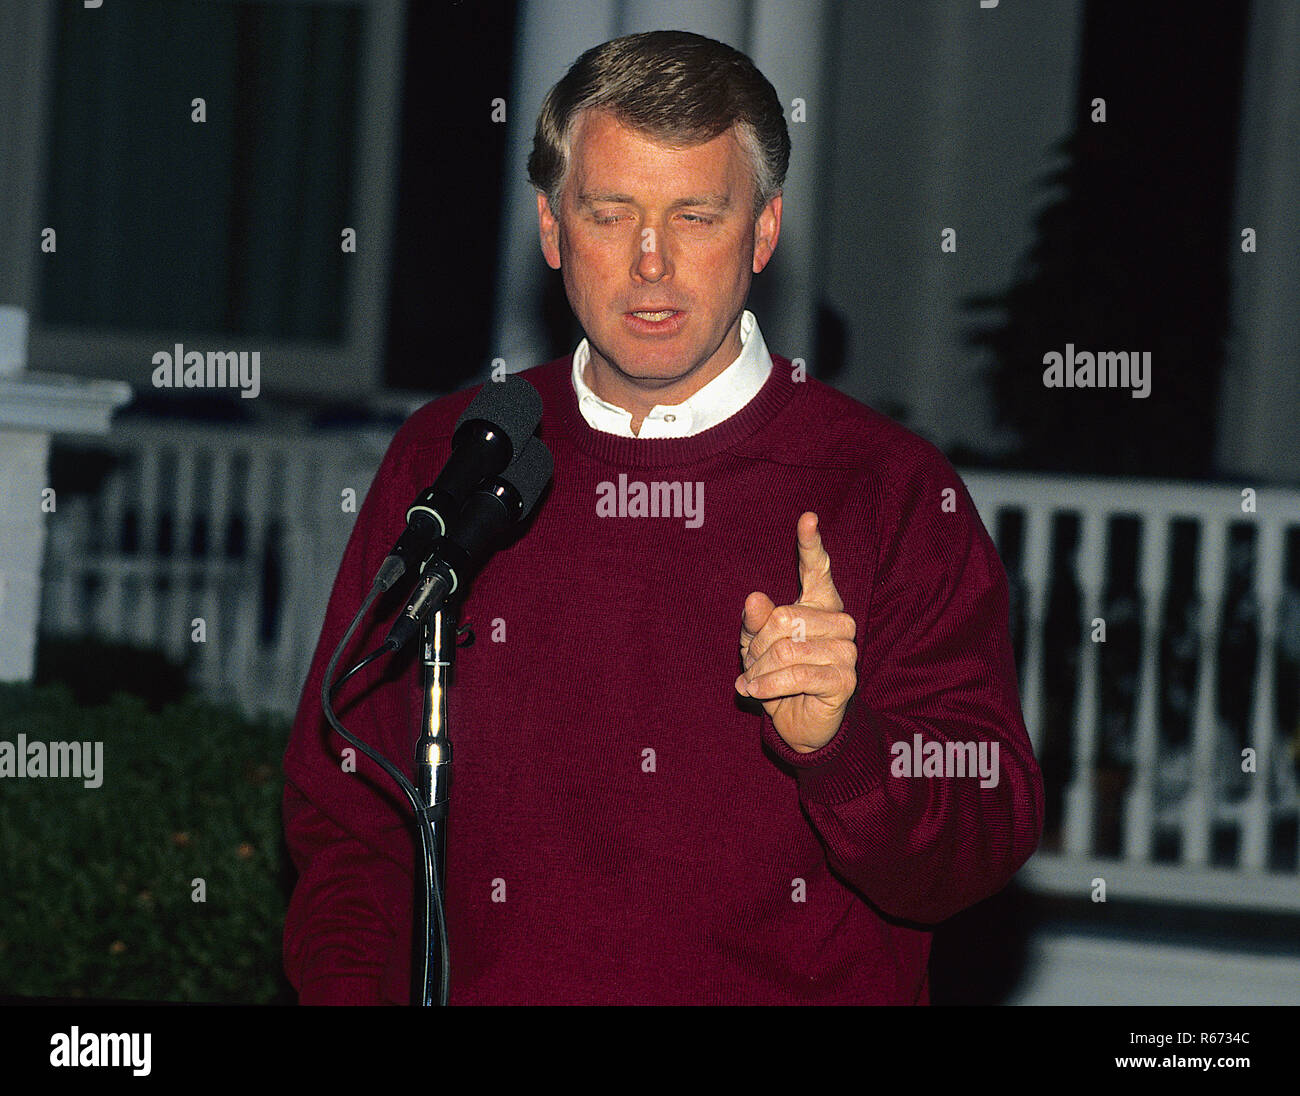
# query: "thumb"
[[758, 607], [816, 587]]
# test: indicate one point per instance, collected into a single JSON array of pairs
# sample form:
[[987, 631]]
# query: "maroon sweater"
[[624, 826]]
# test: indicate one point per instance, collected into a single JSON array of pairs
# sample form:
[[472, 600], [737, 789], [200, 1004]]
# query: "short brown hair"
[[675, 87]]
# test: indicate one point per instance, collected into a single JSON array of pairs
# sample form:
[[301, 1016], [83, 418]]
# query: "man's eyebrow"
[[591, 197], [717, 201]]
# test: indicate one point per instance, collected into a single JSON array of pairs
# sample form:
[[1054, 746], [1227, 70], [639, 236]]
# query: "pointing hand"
[[800, 660]]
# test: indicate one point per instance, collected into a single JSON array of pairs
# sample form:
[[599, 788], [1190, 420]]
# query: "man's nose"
[[652, 263]]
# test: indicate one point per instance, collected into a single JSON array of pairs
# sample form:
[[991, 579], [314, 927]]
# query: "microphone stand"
[[433, 781]]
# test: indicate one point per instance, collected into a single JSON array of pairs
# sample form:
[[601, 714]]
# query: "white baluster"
[[144, 632], [213, 574], [1036, 567], [1199, 806], [1139, 807], [107, 610], [1268, 592], [1080, 797], [71, 549], [294, 643], [176, 615], [242, 667]]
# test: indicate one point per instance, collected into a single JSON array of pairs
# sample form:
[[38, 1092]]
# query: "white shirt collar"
[[718, 400]]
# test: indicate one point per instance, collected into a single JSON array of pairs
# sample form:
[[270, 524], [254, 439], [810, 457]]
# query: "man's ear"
[[549, 229], [767, 230]]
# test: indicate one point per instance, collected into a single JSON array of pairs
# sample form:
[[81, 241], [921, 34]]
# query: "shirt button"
[[670, 418]]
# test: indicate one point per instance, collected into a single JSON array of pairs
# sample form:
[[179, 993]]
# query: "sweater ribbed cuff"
[[851, 764], [336, 979], [352, 989]]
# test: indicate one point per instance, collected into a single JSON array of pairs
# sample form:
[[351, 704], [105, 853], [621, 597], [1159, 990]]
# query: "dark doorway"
[[446, 234]]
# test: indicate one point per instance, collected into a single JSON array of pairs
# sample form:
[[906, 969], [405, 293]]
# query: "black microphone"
[[490, 435], [487, 513]]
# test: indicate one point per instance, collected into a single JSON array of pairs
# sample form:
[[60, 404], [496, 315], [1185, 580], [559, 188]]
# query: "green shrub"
[[97, 884], [95, 670]]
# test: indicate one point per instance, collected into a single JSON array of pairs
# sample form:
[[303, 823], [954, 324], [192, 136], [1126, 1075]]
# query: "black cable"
[[435, 888], [378, 652], [423, 823], [327, 702]]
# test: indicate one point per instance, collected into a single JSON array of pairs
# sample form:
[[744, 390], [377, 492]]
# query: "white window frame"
[[352, 366]]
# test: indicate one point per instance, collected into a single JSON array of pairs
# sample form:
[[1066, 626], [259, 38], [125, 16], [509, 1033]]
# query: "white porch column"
[[33, 406], [790, 44], [551, 35], [725, 20], [785, 38], [24, 60], [1259, 420], [946, 116]]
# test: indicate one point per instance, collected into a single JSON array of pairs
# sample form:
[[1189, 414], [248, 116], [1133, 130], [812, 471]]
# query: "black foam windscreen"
[[513, 405], [530, 474]]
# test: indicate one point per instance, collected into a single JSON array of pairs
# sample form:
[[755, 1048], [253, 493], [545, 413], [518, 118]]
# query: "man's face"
[[657, 247]]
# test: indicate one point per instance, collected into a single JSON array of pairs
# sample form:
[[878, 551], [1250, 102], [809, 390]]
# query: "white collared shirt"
[[718, 400]]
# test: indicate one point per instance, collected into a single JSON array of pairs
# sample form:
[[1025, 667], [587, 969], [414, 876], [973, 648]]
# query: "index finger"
[[816, 587]]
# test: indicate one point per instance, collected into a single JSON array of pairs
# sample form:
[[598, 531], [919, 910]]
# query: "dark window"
[[228, 226]]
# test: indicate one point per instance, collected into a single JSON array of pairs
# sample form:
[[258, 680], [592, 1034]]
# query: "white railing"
[[1190, 792], [176, 550], [157, 548]]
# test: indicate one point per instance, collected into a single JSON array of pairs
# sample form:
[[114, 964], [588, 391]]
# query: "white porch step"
[[1074, 969]]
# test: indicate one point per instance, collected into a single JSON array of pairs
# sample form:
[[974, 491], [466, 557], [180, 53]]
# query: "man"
[[741, 722]]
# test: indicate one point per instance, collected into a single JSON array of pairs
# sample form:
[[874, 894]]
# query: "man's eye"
[[697, 219], [607, 218]]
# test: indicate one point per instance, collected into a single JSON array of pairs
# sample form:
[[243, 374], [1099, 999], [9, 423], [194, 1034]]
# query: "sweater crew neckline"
[[771, 399]]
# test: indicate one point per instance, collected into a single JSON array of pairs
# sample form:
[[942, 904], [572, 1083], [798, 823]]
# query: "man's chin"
[[657, 371]]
